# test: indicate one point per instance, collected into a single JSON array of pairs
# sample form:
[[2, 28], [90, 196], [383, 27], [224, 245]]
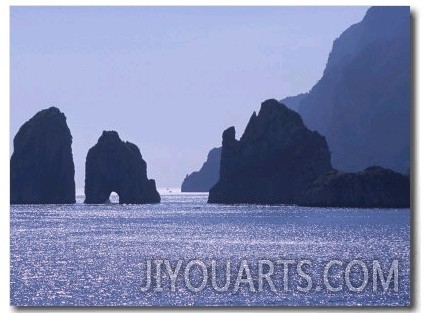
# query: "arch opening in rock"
[[113, 165], [114, 197]]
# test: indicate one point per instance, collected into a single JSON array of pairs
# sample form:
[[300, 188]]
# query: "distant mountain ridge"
[[206, 177], [362, 102]]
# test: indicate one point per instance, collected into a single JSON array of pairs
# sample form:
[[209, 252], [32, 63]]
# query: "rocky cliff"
[[274, 161], [279, 161], [362, 102], [115, 165], [41, 167], [373, 187], [206, 177]]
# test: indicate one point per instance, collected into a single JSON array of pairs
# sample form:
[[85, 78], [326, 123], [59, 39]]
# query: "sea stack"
[[274, 161], [115, 165], [41, 167], [279, 161]]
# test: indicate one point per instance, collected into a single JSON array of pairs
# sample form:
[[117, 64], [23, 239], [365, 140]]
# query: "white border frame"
[[416, 9]]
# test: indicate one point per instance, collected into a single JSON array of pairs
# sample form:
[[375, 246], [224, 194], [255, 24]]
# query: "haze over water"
[[169, 79]]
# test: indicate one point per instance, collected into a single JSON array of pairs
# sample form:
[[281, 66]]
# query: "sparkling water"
[[97, 254]]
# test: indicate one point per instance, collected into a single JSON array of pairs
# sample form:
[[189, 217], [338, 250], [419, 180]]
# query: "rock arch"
[[113, 165]]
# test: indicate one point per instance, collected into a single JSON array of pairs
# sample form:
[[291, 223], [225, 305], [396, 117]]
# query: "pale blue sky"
[[169, 79]]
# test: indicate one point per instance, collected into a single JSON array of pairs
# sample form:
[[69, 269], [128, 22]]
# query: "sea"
[[99, 255]]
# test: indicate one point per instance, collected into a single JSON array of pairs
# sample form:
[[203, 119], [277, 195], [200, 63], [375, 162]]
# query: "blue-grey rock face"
[[373, 187], [274, 161], [206, 177], [279, 160], [115, 165], [42, 167], [362, 102]]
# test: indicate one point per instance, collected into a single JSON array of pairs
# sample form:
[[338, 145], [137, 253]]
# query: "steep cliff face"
[[206, 177], [115, 165], [362, 102], [41, 167], [373, 187], [279, 160], [276, 159]]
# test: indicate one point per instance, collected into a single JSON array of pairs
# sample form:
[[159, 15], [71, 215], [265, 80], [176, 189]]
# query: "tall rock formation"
[[279, 161], [274, 161], [115, 165], [206, 177], [41, 167], [362, 102]]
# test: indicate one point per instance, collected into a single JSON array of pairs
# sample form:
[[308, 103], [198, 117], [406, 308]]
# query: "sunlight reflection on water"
[[96, 254]]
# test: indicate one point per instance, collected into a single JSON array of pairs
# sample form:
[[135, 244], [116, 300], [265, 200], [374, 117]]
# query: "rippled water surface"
[[96, 254]]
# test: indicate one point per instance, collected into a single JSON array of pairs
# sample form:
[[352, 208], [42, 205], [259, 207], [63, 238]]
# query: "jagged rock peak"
[[276, 158]]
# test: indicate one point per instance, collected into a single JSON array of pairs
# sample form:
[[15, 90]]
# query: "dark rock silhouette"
[[373, 187], [206, 177], [276, 159], [115, 165], [362, 102], [41, 167]]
